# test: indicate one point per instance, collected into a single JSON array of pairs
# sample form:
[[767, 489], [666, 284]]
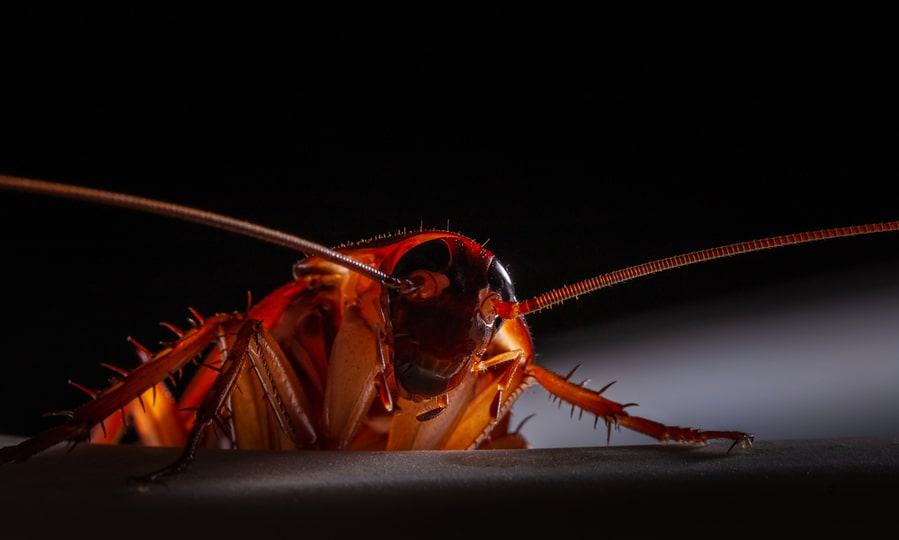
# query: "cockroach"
[[409, 341]]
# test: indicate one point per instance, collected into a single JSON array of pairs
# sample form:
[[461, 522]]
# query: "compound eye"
[[501, 290], [498, 280]]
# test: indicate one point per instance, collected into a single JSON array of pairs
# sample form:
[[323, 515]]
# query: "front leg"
[[254, 357], [614, 414]]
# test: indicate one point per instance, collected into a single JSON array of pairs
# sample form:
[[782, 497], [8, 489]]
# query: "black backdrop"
[[572, 150]]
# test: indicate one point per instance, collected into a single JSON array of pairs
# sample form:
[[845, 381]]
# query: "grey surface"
[[840, 484]]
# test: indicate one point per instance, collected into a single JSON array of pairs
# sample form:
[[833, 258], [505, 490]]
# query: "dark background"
[[574, 145]]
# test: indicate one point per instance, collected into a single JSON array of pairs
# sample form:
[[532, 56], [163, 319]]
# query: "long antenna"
[[203, 217], [504, 309], [509, 309]]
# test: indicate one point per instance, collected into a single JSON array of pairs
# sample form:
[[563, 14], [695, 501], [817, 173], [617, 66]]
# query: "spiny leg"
[[253, 358], [214, 401], [614, 414], [122, 393]]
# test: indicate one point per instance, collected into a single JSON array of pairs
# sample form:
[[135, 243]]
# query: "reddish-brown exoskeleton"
[[414, 341]]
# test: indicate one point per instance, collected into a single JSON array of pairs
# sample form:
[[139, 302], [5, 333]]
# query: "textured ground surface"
[[810, 484]]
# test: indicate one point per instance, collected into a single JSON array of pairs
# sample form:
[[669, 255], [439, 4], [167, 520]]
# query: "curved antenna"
[[504, 309], [511, 309], [203, 217]]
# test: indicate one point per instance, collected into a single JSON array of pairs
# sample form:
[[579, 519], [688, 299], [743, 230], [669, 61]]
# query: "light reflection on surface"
[[812, 361]]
